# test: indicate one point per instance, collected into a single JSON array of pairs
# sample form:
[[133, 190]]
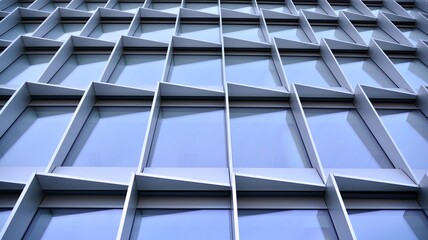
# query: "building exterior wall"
[[213, 119]]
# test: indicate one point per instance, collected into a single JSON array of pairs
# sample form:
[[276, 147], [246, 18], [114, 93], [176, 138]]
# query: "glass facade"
[[206, 71], [220, 120], [139, 70], [80, 70], [253, 71], [309, 71], [62, 223], [184, 131], [266, 138], [181, 224], [343, 140], [280, 224], [33, 137], [395, 224], [120, 130]]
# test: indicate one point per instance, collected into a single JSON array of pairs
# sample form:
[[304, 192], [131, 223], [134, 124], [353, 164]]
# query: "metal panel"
[[337, 210]]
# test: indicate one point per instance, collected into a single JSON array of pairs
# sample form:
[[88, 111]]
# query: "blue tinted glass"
[[156, 31], [19, 29], [286, 224], [34, 136], [266, 138], [203, 32], [189, 137], [205, 71], [182, 225], [203, 7], [368, 33], [389, 224], [27, 68], [130, 7], [343, 140], [80, 70], [346, 8], [413, 70], [246, 32], [414, 35], [63, 31], [139, 71], [310, 7], [252, 70], [4, 215], [409, 131], [90, 6], [74, 224], [295, 33], [13, 6], [111, 137], [365, 72], [240, 7], [308, 70], [51, 6], [110, 32], [331, 32], [169, 7], [276, 7], [376, 9]]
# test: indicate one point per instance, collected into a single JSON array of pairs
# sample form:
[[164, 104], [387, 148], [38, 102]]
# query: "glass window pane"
[[266, 138], [240, 7], [4, 215], [414, 11], [139, 71], [413, 70], [246, 32], [63, 31], [414, 35], [12, 7], [409, 131], [189, 137], [252, 70], [203, 32], [389, 224], [110, 32], [310, 7], [364, 71], [131, 7], [376, 9], [80, 70], [74, 224], [282, 8], [343, 140], [335, 33], [368, 33], [156, 31], [19, 29], [346, 8], [27, 68], [169, 7], [34, 136], [295, 33], [90, 6], [203, 7], [111, 137], [205, 71], [285, 224], [51, 6], [182, 225], [308, 70]]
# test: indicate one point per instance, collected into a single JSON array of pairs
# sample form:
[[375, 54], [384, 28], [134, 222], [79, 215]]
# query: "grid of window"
[[201, 119]]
